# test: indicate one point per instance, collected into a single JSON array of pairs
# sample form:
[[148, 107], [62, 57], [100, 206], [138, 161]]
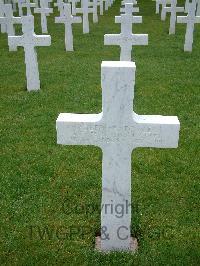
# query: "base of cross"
[[133, 246]]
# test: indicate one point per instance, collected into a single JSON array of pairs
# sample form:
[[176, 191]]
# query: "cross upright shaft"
[[117, 130]]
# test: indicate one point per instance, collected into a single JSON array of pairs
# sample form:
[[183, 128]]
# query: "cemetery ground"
[[51, 194]]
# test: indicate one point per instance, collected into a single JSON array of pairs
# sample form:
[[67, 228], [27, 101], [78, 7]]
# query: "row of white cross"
[[44, 9], [191, 7], [117, 130], [29, 40]]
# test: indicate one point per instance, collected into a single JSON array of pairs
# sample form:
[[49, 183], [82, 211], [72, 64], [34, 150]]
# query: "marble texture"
[[44, 10], [173, 9], [68, 20], [29, 40], [191, 19], [117, 130], [126, 39]]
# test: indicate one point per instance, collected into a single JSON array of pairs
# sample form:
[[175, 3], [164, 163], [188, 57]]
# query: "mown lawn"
[[50, 193]]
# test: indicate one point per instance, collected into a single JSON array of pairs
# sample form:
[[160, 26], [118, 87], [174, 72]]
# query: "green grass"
[[45, 185]]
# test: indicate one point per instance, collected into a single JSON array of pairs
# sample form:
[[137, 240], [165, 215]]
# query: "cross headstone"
[[29, 40], [44, 10], [126, 39], [2, 14], [28, 5], [85, 10], [9, 20], [173, 9], [117, 130], [68, 20], [190, 20], [94, 5], [163, 12]]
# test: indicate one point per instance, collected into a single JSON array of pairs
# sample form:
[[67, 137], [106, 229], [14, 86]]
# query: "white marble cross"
[[85, 10], [29, 40], [190, 20], [9, 20], [163, 12], [68, 20], [173, 9], [94, 4], [2, 14], [44, 10], [28, 5], [126, 39], [117, 130]]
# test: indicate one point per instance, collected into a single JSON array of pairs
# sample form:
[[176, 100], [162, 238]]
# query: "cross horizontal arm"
[[197, 19], [42, 40], [78, 129], [15, 41], [60, 19], [157, 131], [134, 10], [77, 20], [135, 19], [182, 19], [43, 10]]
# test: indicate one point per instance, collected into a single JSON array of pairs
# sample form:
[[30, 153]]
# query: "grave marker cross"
[[117, 130], [126, 39], [44, 10], [173, 9], [29, 40], [190, 20], [68, 20]]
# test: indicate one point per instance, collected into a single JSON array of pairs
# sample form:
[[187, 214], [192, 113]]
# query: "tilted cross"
[[117, 130], [85, 10], [44, 10], [28, 5], [2, 14], [68, 20], [173, 9], [190, 19], [29, 40], [9, 20], [126, 39]]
